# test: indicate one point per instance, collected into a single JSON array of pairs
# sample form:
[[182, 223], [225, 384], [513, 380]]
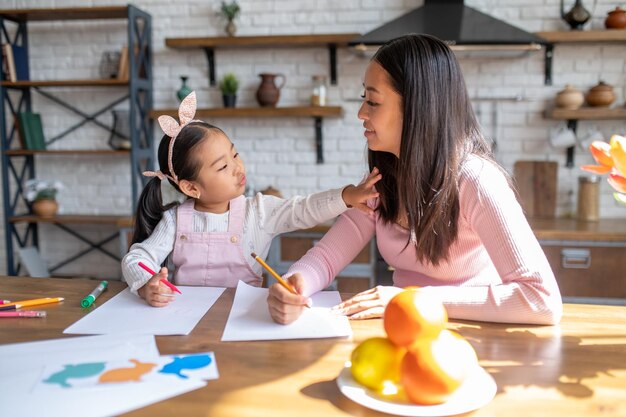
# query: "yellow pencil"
[[30, 303], [274, 274]]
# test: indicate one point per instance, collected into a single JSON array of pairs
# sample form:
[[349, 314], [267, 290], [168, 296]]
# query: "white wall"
[[281, 152]]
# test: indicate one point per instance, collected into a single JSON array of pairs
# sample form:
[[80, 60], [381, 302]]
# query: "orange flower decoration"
[[601, 152], [611, 159]]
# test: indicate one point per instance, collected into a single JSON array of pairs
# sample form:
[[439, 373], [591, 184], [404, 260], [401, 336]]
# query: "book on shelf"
[[122, 71], [124, 65], [31, 130], [20, 60], [8, 64]]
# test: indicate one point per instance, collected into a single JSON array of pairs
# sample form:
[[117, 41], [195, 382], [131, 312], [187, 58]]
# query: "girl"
[[447, 219], [212, 232]]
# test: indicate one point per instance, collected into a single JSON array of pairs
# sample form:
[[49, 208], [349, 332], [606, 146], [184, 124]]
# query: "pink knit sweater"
[[497, 271]]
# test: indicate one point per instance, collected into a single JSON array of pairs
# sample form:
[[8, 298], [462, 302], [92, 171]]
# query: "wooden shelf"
[[316, 112], [577, 36], [68, 13], [66, 83], [261, 41], [303, 111], [584, 113], [25, 152], [332, 41], [587, 113], [120, 221]]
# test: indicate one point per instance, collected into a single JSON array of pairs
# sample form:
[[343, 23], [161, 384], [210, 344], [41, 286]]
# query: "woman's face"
[[381, 111]]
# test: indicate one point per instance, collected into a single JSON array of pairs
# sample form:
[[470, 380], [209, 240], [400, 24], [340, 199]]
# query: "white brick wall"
[[281, 152]]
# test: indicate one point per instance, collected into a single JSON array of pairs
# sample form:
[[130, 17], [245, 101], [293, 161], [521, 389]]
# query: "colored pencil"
[[4, 302], [269, 269], [164, 281], [22, 314], [29, 303]]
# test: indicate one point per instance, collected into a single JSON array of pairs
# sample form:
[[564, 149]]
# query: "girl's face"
[[222, 176], [381, 111]]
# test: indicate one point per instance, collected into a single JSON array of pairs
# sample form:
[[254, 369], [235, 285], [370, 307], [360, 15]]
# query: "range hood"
[[461, 26]]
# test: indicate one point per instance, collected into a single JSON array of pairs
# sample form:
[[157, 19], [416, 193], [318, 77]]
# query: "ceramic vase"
[[601, 95], [616, 19], [230, 28], [268, 92], [45, 208], [569, 98], [184, 90]]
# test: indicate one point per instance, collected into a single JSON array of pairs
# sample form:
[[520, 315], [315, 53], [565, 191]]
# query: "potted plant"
[[41, 195], [230, 11], [229, 85]]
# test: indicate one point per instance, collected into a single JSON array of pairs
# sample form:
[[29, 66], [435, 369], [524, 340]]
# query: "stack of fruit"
[[419, 360]]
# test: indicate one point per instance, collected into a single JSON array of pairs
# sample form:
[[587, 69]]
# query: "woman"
[[446, 217]]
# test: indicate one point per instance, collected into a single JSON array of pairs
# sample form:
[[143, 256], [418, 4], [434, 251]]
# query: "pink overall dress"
[[211, 259]]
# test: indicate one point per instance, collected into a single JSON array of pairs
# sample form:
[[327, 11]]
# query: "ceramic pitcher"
[[577, 16], [268, 93]]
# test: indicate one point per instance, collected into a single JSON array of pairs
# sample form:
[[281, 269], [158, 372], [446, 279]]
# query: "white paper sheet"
[[249, 318], [22, 364], [127, 313]]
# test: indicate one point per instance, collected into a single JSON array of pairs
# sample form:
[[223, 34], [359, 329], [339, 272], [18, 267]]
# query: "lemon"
[[376, 363]]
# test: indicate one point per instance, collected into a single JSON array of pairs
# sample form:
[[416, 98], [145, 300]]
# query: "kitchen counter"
[[606, 230], [612, 230]]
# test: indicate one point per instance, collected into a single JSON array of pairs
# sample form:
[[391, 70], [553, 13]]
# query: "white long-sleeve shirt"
[[265, 217]]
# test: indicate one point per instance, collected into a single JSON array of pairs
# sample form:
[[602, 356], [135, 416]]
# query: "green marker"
[[88, 301]]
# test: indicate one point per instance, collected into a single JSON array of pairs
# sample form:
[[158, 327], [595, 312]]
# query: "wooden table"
[[575, 369]]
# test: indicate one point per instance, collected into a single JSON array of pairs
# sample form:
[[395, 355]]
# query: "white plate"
[[476, 391]]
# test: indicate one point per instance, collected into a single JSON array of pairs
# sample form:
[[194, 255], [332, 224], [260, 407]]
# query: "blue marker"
[[88, 301]]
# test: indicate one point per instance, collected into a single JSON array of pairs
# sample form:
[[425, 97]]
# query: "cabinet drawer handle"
[[575, 258]]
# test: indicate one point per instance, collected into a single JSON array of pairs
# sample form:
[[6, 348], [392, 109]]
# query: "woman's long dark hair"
[[186, 166], [439, 129]]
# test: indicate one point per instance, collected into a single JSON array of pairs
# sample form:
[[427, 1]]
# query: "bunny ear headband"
[[169, 125]]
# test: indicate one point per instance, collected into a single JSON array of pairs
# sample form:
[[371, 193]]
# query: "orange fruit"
[[433, 369], [376, 363], [412, 315]]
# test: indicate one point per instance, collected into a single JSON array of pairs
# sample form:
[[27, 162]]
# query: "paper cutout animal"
[[127, 374], [186, 362], [83, 370]]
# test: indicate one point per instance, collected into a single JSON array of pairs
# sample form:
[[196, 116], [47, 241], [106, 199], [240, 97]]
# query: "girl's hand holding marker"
[[157, 292]]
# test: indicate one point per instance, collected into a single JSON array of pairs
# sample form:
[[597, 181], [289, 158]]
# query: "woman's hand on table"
[[367, 304], [285, 307]]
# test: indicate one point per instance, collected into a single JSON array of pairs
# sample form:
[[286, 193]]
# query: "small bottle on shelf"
[[318, 95]]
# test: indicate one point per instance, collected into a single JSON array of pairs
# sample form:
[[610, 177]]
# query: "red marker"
[[164, 281]]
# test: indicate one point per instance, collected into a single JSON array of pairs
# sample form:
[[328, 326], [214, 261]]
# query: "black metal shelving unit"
[[19, 165]]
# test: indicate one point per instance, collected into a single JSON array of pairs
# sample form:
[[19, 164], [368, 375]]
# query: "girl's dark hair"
[[186, 166], [439, 130]]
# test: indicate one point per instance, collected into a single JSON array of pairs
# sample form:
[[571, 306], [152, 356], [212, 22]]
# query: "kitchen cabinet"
[[588, 258]]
